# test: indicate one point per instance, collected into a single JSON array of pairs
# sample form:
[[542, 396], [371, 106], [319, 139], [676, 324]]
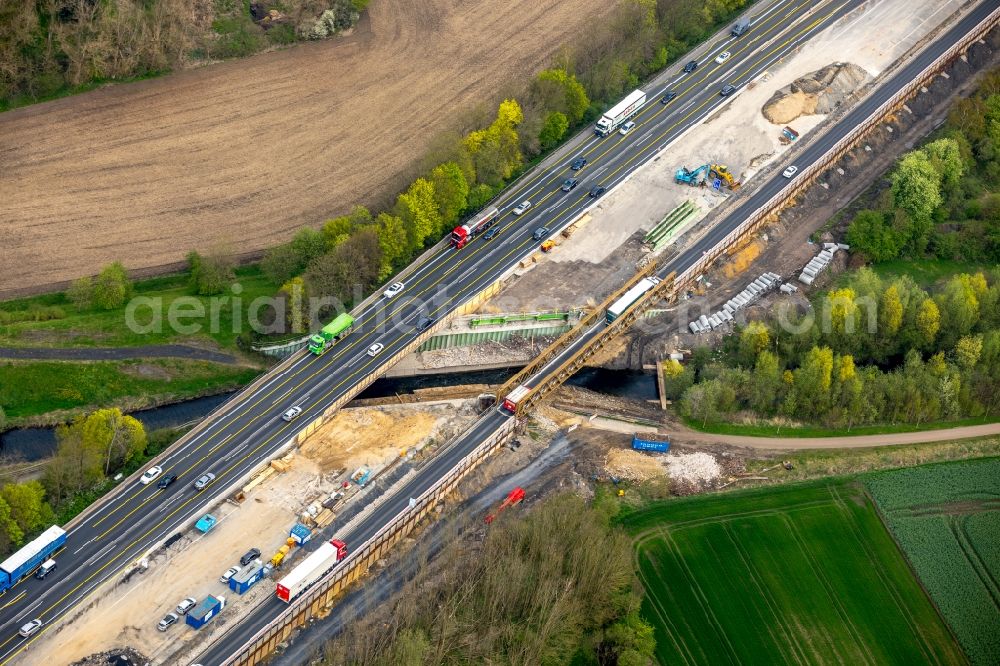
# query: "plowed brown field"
[[245, 152]]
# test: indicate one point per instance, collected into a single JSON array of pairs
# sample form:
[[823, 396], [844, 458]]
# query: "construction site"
[[579, 438]]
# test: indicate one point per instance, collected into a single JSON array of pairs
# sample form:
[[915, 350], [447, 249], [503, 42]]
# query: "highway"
[[492, 421], [251, 430]]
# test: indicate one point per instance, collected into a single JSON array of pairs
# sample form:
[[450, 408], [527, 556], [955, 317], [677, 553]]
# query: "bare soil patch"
[[374, 436], [246, 152]]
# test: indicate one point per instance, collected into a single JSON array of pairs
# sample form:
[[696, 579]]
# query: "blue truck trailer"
[[199, 616], [247, 578], [24, 561], [644, 444]]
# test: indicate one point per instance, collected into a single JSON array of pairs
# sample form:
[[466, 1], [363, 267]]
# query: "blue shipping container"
[[198, 616], [24, 561], [641, 444], [246, 579], [300, 533]]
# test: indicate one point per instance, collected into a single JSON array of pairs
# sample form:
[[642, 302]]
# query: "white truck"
[[619, 113], [311, 569]]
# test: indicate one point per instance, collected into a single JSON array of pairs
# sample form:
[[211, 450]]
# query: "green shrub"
[[283, 33], [237, 37]]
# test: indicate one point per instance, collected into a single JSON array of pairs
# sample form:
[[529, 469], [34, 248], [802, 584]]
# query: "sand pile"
[[819, 92], [633, 466]]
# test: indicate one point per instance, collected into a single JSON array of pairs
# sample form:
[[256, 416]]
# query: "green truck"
[[330, 333]]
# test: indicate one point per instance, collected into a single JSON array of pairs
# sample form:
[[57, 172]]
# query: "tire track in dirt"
[[246, 152]]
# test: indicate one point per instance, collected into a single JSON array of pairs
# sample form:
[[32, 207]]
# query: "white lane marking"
[[87, 543]]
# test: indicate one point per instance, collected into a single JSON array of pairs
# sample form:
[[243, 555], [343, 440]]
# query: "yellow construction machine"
[[722, 172]]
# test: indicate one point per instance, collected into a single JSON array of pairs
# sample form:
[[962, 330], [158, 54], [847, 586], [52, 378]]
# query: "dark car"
[[425, 323], [540, 233], [669, 96], [491, 234], [166, 481], [727, 90], [569, 184], [597, 190], [691, 66], [578, 164], [250, 556]]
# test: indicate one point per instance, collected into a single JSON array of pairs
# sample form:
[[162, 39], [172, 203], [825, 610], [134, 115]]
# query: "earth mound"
[[818, 92]]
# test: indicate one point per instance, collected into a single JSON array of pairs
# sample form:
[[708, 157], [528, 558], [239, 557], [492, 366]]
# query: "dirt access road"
[[842, 442], [246, 152]]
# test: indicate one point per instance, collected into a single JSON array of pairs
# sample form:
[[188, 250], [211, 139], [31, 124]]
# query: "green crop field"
[[946, 517], [804, 574]]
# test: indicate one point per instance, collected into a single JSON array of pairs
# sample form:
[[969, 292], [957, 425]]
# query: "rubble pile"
[[693, 467]]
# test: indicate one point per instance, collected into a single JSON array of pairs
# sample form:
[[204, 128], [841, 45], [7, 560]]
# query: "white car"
[[185, 605], [522, 207], [292, 413], [30, 628], [790, 171], [150, 475], [394, 289], [230, 572], [626, 128], [722, 57], [375, 349]]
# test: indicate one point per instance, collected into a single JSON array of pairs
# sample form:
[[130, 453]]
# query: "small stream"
[[37, 443]]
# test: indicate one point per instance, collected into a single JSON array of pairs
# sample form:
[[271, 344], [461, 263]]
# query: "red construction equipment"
[[513, 497]]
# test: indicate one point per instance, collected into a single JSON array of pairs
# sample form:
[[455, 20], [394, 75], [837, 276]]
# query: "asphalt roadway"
[[251, 430]]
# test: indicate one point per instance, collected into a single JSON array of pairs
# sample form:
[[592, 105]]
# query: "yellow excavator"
[[722, 172]]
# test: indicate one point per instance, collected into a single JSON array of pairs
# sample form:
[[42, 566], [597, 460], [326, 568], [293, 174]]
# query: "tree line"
[[89, 451], [876, 351], [943, 201], [555, 586], [52, 46]]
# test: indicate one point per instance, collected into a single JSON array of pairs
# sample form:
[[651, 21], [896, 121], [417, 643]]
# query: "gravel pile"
[[693, 467]]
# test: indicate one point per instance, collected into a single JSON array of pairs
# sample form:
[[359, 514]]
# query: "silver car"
[[204, 480], [168, 619], [30, 628], [187, 604]]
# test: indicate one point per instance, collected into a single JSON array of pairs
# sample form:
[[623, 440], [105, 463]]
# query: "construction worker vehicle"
[[693, 178], [722, 172], [513, 497]]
